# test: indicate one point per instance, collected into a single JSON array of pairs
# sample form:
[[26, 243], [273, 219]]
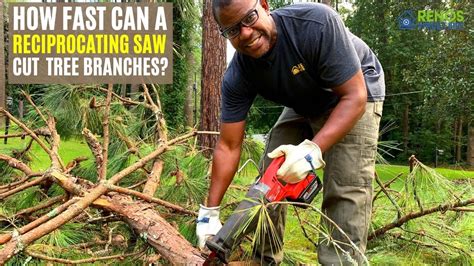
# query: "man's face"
[[254, 40]]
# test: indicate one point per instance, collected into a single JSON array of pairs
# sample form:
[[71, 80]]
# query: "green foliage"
[[425, 71]]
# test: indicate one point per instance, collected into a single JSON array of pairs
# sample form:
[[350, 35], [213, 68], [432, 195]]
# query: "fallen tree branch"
[[414, 215], [394, 203], [35, 182], [106, 135], [155, 230], [151, 199], [43, 205], [16, 164], [89, 260], [4, 238], [16, 245]]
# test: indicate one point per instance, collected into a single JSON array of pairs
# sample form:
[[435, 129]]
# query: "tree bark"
[[189, 103], [155, 230], [459, 141], [406, 127], [2, 67], [470, 145], [213, 67]]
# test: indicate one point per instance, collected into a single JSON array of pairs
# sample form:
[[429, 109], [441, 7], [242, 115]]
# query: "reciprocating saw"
[[266, 189]]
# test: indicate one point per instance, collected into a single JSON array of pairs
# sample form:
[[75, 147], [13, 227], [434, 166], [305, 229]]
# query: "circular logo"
[[406, 22]]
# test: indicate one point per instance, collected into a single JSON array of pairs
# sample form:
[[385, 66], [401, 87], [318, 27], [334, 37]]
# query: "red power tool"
[[269, 189]]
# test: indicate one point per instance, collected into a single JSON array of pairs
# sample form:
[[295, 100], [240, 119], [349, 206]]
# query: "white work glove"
[[296, 166], [208, 224]]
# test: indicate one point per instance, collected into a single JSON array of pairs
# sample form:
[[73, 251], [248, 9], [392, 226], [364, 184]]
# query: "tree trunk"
[[470, 145], [2, 66], [406, 127], [188, 105], [459, 141], [155, 230], [213, 67]]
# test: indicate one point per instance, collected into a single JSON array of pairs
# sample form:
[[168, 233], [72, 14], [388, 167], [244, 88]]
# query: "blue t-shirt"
[[313, 53]]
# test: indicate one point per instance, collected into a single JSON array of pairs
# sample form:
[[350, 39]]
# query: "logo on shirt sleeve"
[[295, 70]]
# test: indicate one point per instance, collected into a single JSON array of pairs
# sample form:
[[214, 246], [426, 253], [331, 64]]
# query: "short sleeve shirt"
[[313, 53]]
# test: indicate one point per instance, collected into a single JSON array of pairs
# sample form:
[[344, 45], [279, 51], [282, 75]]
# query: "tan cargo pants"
[[347, 182]]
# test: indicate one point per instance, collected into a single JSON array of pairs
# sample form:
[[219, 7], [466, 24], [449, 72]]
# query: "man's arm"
[[225, 160], [351, 107]]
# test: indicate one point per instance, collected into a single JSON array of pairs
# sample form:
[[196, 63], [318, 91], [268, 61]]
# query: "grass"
[[68, 151]]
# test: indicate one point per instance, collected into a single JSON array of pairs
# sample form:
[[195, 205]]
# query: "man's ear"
[[265, 5]]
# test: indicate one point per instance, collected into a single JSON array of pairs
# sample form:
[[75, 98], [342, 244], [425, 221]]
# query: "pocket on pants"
[[351, 161]]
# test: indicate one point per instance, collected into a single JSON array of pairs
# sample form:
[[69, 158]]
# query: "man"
[[332, 87]]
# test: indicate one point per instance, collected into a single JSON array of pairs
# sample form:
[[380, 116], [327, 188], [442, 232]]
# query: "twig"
[[14, 184], [89, 260], [161, 129], [105, 144], [385, 185], [22, 187], [50, 202], [437, 240], [418, 242], [413, 164], [74, 163], [137, 184], [462, 209], [124, 100], [379, 182], [414, 215], [38, 111], [95, 147], [304, 229], [151, 199], [6, 237]]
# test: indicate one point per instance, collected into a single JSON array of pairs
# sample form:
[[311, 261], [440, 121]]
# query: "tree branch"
[[151, 199], [89, 260], [414, 215], [106, 137]]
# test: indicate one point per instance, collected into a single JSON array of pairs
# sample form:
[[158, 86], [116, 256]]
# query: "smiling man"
[[332, 87]]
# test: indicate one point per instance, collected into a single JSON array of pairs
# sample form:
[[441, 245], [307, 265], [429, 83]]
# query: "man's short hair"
[[218, 4]]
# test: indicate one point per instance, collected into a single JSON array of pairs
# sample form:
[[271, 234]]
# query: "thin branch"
[[414, 215], [38, 111], [386, 185], [148, 198], [95, 147], [17, 164], [23, 180], [394, 203], [106, 137], [4, 238], [43, 205], [124, 100], [22, 187], [304, 229], [153, 179], [29, 131], [437, 240], [89, 260]]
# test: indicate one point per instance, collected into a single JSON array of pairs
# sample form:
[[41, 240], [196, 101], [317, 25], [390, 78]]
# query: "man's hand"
[[296, 166], [208, 224]]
